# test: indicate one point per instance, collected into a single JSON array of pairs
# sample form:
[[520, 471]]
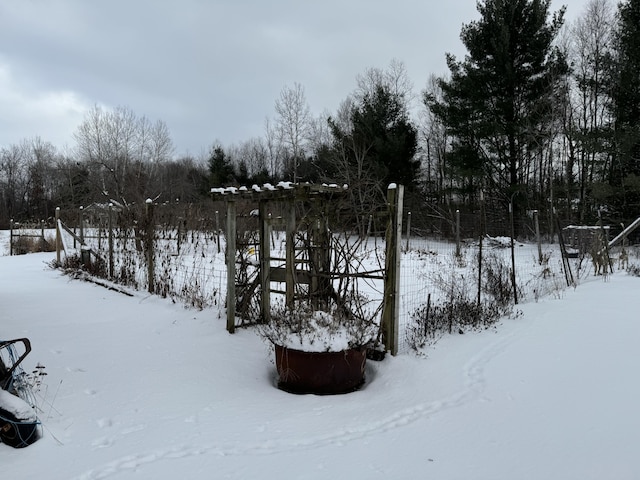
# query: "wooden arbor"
[[312, 271]]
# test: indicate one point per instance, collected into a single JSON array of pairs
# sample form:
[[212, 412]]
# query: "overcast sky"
[[211, 70]]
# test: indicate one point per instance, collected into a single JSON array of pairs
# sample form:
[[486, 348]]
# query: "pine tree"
[[498, 101], [220, 169], [625, 173], [374, 144], [379, 139]]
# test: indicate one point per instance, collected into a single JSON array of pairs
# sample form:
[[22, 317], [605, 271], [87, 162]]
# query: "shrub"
[[73, 265], [460, 310], [22, 245]]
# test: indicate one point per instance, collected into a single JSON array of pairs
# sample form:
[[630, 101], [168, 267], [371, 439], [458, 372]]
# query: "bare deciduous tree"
[[292, 123], [395, 78], [434, 141], [123, 152], [591, 36]]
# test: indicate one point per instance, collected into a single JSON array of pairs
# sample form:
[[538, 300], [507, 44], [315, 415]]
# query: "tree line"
[[539, 115]]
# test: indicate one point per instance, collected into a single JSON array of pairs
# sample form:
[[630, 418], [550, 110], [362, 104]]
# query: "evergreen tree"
[[220, 169], [379, 140], [497, 104], [375, 144], [242, 174], [382, 122], [625, 173]]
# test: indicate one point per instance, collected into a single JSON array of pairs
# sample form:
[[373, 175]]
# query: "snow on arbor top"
[[282, 187]]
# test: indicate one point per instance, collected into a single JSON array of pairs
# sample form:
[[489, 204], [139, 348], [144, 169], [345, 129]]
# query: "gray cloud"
[[210, 69]]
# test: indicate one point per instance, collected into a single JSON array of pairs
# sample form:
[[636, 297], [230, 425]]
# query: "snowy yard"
[[139, 387]]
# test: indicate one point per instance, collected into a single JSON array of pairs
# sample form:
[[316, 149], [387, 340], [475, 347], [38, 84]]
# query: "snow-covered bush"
[[333, 328]]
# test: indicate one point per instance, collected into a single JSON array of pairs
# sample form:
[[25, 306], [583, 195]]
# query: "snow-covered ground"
[[142, 388]]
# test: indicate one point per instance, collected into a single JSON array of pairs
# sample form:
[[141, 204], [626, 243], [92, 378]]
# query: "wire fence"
[[179, 252]]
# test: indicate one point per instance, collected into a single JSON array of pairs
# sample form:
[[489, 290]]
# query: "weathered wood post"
[[42, 239], [290, 257], [481, 236], [273, 240], [231, 265], [538, 240], [218, 230], [58, 237], [80, 226], [149, 245], [369, 225], [513, 255], [11, 236], [406, 248], [391, 308], [265, 261], [179, 233], [100, 234], [111, 267], [319, 245], [605, 244], [458, 233]]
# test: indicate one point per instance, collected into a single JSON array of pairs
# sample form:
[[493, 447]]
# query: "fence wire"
[[189, 262]]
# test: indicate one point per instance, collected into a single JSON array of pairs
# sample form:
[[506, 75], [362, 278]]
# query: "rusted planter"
[[322, 373]]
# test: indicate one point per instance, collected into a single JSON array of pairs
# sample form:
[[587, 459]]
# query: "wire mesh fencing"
[[448, 283]]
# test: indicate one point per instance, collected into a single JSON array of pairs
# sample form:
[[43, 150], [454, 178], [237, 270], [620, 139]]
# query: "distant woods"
[[540, 115]]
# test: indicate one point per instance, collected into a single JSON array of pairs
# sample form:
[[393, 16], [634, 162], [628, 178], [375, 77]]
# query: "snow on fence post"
[[391, 307]]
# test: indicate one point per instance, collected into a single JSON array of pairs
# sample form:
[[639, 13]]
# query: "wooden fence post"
[[369, 224], [42, 242], [179, 233], [605, 241], [391, 307], [231, 265], [458, 234], [481, 236], [290, 256], [265, 262], [406, 248], [111, 268], [218, 230], [11, 237], [538, 240], [513, 254], [149, 245], [58, 238], [80, 226]]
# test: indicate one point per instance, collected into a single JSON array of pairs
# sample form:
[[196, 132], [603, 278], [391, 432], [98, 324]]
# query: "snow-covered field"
[[142, 388]]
